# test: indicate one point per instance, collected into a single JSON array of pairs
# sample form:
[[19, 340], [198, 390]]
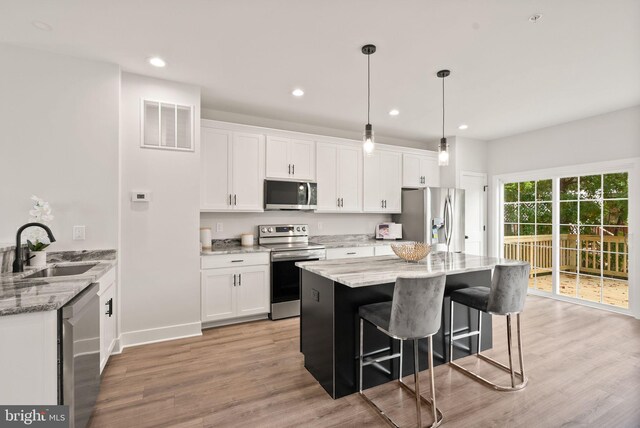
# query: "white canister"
[[246, 239], [38, 259], [205, 238]]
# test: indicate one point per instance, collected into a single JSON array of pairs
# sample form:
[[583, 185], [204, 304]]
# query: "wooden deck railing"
[[537, 251]]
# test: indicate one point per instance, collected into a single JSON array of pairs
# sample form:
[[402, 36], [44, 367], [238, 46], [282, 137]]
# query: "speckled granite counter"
[[344, 241], [21, 295], [232, 246], [365, 271]]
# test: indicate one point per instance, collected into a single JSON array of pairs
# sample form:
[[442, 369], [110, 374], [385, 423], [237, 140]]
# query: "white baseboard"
[[161, 334]]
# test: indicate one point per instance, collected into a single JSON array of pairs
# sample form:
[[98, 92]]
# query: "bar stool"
[[414, 313], [505, 297]]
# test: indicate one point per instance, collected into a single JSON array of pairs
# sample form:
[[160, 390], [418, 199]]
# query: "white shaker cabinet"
[[238, 293], [339, 177], [383, 181], [231, 171], [289, 158], [420, 171], [108, 314]]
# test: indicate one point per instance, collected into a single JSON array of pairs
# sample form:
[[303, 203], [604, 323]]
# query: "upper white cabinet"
[[290, 158], [232, 170], [339, 177], [420, 171], [383, 181]]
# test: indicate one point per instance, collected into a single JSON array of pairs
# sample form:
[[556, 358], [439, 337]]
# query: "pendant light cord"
[[443, 107], [368, 87]]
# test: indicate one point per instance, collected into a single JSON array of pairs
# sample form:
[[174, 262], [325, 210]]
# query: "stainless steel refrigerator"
[[434, 215]]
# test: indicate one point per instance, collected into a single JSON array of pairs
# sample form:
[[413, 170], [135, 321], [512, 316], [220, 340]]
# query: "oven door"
[[290, 195], [285, 278]]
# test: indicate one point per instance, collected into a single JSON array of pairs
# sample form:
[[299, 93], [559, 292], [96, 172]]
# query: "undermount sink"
[[62, 271]]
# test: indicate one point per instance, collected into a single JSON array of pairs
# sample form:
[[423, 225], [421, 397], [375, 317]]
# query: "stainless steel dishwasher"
[[79, 355]]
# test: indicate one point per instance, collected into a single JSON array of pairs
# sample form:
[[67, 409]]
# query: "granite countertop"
[[345, 241], [20, 295], [361, 272], [232, 246]]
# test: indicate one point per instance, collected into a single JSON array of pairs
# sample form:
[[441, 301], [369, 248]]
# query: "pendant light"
[[368, 141], [443, 147]]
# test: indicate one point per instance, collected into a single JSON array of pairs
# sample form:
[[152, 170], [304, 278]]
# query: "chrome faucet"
[[17, 262]]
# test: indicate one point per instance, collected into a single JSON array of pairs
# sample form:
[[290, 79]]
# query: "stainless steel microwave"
[[290, 195]]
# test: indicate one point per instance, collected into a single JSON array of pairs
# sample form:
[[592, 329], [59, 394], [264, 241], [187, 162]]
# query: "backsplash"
[[234, 224]]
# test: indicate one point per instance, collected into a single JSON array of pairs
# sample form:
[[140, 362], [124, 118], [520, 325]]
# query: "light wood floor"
[[583, 365]]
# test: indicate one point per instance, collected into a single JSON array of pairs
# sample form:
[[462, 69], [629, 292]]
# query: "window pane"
[[184, 127], [543, 190], [510, 230], [616, 213], [590, 240], [616, 185], [528, 191], [615, 292], [568, 283], [615, 239], [168, 125], [590, 212], [543, 212], [527, 213], [589, 262], [527, 230], [615, 265], [569, 260], [591, 187], [589, 287], [568, 239], [568, 212], [510, 213], [511, 192], [543, 229], [569, 188]]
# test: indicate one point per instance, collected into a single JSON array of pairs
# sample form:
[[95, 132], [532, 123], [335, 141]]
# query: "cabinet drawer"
[[384, 250], [234, 260], [345, 253], [106, 280]]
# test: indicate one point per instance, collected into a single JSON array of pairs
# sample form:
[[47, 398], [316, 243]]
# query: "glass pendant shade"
[[368, 141], [443, 152]]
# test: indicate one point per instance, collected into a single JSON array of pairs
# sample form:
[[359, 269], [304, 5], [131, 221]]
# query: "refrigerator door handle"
[[447, 220]]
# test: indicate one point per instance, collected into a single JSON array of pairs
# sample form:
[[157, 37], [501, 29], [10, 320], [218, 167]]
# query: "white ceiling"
[[508, 75]]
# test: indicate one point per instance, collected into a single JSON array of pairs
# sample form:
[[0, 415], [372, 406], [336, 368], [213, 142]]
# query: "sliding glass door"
[[592, 229]]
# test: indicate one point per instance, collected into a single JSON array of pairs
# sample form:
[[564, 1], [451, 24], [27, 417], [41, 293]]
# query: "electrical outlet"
[[319, 225], [219, 227], [78, 233]]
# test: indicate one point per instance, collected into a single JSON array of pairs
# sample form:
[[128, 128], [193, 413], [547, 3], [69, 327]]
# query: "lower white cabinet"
[[108, 323], [384, 250], [235, 292]]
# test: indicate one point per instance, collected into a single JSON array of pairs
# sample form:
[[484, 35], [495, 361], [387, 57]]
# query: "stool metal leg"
[[479, 332], [401, 353], [432, 381], [513, 378], [416, 377], [451, 331], [361, 353], [514, 387]]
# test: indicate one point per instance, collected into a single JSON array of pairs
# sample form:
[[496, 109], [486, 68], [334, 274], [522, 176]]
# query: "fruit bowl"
[[412, 251]]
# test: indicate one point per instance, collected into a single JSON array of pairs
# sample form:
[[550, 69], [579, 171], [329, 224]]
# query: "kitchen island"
[[331, 291]]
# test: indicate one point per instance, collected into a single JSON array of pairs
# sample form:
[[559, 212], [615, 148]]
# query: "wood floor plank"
[[583, 365]]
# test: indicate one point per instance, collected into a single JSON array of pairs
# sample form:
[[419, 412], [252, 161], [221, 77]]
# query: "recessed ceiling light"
[[297, 92], [157, 61], [463, 126], [535, 17], [394, 112], [42, 26]]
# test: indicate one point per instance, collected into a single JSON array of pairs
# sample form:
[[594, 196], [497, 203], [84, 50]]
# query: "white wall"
[[235, 224], [160, 282], [355, 134], [608, 137], [59, 140], [465, 155]]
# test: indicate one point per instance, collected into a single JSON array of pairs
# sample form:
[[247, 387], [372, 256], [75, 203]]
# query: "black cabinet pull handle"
[[234, 279], [289, 169], [109, 306], [236, 261], [235, 199], [229, 198], [293, 169], [239, 279], [349, 254]]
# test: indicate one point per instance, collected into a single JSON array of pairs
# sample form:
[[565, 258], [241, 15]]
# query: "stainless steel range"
[[289, 243]]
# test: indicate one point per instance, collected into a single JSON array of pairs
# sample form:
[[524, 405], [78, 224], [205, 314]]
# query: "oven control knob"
[[263, 230], [298, 229], [304, 228], [270, 229]]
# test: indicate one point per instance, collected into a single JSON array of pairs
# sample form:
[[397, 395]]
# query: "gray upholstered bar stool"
[[414, 313], [505, 297]]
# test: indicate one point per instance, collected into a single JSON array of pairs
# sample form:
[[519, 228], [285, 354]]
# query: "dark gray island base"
[[333, 290]]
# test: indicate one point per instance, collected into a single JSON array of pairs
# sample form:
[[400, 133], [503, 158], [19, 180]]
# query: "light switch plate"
[[219, 227], [79, 233]]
